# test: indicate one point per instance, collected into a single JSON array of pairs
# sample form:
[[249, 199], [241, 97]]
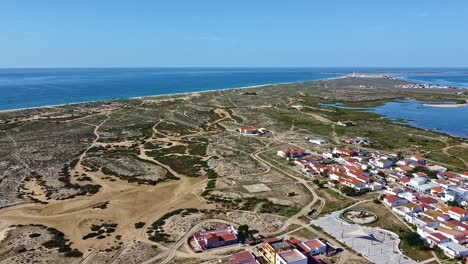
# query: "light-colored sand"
[[4, 232], [447, 105], [128, 204]]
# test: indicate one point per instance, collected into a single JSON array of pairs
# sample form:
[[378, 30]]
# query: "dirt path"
[[446, 149], [305, 210]]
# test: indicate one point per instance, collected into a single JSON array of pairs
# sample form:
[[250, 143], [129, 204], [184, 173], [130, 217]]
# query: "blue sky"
[[239, 33]]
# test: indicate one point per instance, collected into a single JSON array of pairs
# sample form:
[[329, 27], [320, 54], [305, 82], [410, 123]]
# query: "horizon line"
[[234, 67]]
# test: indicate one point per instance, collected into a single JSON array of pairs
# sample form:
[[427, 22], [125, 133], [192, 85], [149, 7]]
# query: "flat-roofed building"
[[291, 257], [271, 247]]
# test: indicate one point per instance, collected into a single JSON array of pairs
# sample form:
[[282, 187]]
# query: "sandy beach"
[[447, 105]]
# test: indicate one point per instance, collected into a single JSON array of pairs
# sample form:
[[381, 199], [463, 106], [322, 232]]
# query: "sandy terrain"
[[128, 204]]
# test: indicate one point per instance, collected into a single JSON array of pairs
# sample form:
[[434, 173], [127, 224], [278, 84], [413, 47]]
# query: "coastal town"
[[234, 132], [429, 197], [290, 177]]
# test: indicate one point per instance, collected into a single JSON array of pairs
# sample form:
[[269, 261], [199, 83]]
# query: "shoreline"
[[162, 95], [204, 91], [447, 105]]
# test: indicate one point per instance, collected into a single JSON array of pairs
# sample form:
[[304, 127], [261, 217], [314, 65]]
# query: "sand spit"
[[447, 105]]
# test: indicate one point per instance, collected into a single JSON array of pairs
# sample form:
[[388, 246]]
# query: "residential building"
[[249, 131], [244, 258], [271, 247], [392, 200], [453, 249], [458, 213], [292, 256], [216, 238], [312, 247]]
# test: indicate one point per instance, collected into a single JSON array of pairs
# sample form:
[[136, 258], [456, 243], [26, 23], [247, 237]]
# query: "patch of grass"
[[386, 219], [454, 164], [300, 120], [459, 152], [333, 201]]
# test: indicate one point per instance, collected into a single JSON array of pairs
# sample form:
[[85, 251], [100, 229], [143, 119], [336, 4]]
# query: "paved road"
[[383, 249]]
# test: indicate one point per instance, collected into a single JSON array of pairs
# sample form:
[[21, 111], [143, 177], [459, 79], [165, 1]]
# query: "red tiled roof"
[[243, 256], [421, 174], [248, 128], [210, 236], [314, 243], [392, 198], [405, 168], [439, 237], [228, 236], [272, 240], [405, 180], [427, 200], [458, 210]]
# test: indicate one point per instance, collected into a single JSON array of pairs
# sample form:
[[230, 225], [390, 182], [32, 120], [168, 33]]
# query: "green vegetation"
[[156, 232], [440, 157], [99, 231], [413, 246], [430, 174], [82, 189], [61, 243], [459, 152], [333, 201], [139, 225], [301, 120], [348, 191]]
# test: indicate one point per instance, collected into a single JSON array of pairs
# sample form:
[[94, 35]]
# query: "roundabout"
[[360, 217]]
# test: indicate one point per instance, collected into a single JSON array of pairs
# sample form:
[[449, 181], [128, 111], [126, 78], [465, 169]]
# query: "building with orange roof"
[[271, 247], [458, 213], [393, 200]]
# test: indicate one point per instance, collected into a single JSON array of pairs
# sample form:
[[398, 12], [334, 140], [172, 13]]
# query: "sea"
[[27, 88]]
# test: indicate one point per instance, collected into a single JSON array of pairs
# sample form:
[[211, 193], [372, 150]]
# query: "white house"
[[318, 141], [375, 186], [381, 163], [453, 249], [392, 200], [291, 257], [249, 131], [458, 213], [313, 247]]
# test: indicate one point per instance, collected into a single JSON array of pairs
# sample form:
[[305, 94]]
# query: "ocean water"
[[23, 88]]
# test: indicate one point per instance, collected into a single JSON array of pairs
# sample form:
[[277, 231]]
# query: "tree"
[[430, 174], [244, 233], [348, 191], [413, 239], [453, 203]]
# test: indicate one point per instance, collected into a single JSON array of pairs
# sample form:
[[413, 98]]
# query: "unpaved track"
[[446, 149]]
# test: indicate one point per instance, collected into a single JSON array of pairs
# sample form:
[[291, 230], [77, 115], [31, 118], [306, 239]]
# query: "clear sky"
[[99, 33]]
